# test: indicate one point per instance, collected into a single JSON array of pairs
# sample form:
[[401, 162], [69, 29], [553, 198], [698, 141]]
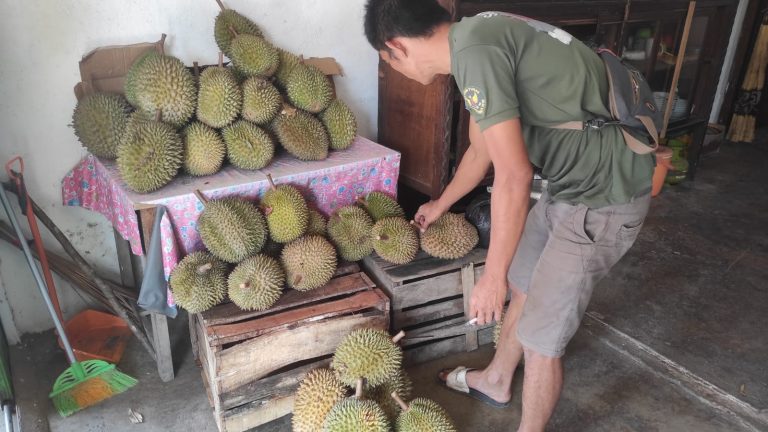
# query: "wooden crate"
[[252, 362], [429, 298]]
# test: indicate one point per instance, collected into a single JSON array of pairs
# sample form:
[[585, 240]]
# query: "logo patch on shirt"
[[475, 99]]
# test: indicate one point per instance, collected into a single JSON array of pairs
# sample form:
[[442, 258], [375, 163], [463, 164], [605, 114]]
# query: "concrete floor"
[[675, 338]]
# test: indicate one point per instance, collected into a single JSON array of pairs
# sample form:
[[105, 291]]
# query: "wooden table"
[[96, 185]]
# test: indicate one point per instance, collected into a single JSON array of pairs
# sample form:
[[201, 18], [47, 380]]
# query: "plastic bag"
[[478, 213]]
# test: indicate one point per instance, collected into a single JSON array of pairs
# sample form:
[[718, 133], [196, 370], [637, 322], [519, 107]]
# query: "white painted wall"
[[42, 43]]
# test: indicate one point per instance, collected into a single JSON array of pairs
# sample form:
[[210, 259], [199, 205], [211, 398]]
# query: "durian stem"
[[245, 285], [204, 268], [398, 337], [221, 59], [221, 5], [297, 280], [162, 43], [267, 211], [233, 31], [359, 388], [361, 200], [158, 115], [201, 197], [196, 70], [399, 401], [382, 237], [271, 182]]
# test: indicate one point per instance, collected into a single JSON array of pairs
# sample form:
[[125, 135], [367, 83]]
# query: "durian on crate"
[[429, 298], [252, 362]]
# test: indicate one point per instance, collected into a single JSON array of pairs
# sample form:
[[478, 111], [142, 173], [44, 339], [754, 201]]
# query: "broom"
[[84, 383]]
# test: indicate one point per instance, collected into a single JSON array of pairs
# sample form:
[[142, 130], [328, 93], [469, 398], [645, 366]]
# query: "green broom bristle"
[[88, 383]]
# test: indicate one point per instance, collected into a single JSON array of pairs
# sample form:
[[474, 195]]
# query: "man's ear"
[[397, 48]]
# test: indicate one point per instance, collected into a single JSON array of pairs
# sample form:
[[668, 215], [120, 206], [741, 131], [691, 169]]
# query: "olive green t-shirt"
[[509, 67]]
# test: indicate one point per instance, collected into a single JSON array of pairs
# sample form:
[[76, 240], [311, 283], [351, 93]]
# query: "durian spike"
[[201, 197], [221, 59], [404, 406], [398, 337], [359, 388], [204, 268], [221, 5]]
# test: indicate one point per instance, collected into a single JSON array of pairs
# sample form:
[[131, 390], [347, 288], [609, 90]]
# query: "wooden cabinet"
[[429, 125]]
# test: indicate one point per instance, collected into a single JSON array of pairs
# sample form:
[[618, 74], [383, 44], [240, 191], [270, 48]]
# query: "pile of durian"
[[172, 118], [282, 242], [370, 362]]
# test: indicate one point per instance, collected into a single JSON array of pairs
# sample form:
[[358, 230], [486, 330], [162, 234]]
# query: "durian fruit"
[[350, 230], [261, 100], [369, 353], [382, 394], [228, 20], [356, 414], [451, 236], [288, 61], [161, 82], [317, 223], [318, 392], [254, 55], [309, 262], [287, 212], [395, 240], [219, 98], [422, 415], [497, 331], [256, 283], [130, 87], [99, 120], [301, 134], [248, 146], [232, 228], [199, 282], [308, 88], [380, 205], [341, 124], [150, 155], [204, 150]]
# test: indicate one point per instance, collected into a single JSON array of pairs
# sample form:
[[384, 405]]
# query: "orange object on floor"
[[663, 164], [97, 335]]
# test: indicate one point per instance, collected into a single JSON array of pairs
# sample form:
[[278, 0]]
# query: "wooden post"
[[467, 284], [678, 67]]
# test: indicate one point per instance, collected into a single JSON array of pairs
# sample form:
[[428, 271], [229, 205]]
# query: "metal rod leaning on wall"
[[678, 66], [88, 271]]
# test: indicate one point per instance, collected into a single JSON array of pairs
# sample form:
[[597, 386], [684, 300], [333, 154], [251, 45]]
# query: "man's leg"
[[542, 384], [496, 379]]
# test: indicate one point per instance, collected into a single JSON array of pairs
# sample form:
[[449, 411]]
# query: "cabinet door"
[[416, 120]]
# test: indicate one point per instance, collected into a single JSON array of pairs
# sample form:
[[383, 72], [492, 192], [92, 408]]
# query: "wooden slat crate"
[[252, 362], [429, 297]]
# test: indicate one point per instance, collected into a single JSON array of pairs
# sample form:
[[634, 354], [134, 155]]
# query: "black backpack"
[[630, 100]]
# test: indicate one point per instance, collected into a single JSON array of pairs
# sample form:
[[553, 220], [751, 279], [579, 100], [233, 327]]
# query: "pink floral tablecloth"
[[95, 184]]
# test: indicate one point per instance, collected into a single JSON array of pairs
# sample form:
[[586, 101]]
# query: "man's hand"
[[428, 213], [487, 302]]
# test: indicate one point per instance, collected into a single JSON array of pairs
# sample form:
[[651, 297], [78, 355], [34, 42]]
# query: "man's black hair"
[[387, 19]]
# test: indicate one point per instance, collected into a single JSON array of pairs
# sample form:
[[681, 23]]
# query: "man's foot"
[[475, 383]]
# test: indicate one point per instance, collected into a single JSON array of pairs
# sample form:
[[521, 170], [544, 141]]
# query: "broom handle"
[[38, 278]]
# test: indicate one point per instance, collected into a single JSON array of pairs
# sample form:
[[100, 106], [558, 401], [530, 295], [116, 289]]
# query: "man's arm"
[[470, 172], [509, 208]]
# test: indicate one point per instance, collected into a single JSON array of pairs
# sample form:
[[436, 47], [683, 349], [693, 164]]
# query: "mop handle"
[[36, 274]]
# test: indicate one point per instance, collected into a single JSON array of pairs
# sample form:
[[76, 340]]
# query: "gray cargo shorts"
[[565, 250]]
